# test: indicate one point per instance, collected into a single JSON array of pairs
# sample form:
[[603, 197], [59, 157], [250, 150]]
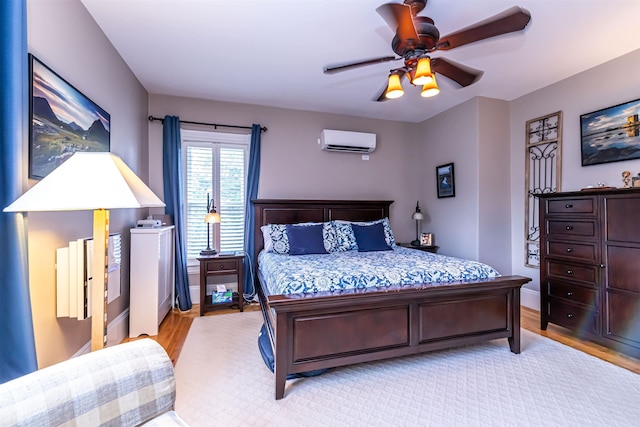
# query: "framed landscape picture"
[[444, 178], [63, 121], [611, 134]]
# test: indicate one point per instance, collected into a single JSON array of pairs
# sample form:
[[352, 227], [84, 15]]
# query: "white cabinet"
[[152, 278]]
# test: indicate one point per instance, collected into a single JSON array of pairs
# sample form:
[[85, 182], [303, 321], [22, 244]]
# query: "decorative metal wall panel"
[[543, 175]]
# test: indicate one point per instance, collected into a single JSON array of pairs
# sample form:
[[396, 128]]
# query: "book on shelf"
[[221, 297]]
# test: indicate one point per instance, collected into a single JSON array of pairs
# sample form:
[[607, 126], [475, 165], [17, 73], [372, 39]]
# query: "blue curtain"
[[253, 178], [18, 356], [173, 198]]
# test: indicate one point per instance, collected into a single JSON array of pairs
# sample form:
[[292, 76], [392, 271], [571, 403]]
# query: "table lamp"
[[418, 216], [212, 217], [90, 181]]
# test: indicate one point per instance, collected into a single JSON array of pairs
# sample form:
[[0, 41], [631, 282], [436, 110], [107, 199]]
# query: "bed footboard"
[[322, 331]]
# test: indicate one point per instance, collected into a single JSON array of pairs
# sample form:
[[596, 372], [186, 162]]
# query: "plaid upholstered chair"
[[124, 385]]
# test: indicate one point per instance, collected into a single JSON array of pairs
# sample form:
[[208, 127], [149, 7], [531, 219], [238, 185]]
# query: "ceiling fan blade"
[[511, 20], [332, 69], [399, 18], [459, 73], [382, 97]]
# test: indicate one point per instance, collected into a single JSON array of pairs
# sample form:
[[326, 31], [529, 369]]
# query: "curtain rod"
[[215, 126]]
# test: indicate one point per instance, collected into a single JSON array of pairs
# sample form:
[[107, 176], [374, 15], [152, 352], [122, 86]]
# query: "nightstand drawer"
[[580, 273], [220, 266], [571, 206], [571, 228], [573, 250], [572, 293]]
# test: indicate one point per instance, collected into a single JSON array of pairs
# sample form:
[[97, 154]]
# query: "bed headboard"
[[272, 211]]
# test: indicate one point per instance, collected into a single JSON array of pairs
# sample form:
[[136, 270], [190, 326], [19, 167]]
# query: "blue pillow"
[[370, 237], [305, 239]]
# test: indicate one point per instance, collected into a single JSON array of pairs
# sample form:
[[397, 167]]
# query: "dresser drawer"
[[571, 228], [572, 293], [571, 316], [220, 266], [572, 206], [573, 250], [580, 273]]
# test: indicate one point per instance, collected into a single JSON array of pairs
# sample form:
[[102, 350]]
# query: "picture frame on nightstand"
[[426, 239]]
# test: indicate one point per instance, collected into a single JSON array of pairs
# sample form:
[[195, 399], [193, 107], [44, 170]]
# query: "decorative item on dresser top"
[[590, 265]]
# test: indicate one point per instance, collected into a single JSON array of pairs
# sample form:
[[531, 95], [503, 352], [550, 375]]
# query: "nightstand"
[[432, 249], [219, 265]]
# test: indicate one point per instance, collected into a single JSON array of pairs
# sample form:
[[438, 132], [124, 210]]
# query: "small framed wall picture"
[[426, 239], [445, 181]]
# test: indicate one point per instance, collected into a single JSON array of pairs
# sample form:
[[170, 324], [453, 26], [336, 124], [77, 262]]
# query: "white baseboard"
[[117, 330], [194, 293], [530, 298]]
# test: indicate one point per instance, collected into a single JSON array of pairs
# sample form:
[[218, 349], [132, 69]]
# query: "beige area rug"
[[222, 381]]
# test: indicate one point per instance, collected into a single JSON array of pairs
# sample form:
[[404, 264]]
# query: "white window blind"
[[214, 164]]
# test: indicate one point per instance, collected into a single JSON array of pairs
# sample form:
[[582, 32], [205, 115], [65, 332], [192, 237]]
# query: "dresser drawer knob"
[[569, 227], [570, 315], [569, 294], [569, 250], [568, 206], [569, 271]]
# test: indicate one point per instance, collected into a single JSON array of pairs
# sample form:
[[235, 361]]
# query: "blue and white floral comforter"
[[294, 274]]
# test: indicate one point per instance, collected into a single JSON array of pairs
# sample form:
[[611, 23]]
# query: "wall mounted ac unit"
[[347, 142]]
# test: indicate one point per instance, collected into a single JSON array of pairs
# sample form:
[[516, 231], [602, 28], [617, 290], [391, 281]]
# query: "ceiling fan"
[[416, 37]]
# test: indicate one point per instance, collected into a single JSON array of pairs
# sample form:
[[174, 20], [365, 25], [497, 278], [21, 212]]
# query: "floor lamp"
[[98, 182]]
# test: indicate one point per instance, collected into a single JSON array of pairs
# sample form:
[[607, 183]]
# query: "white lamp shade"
[[417, 216], [87, 181]]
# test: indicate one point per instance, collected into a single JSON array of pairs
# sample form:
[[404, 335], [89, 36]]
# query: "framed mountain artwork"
[[63, 121]]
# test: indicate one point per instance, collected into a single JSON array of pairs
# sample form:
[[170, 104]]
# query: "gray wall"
[[292, 164], [609, 84], [475, 223], [482, 136], [65, 37], [452, 136]]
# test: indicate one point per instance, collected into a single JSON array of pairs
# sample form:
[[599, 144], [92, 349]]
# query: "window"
[[216, 164]]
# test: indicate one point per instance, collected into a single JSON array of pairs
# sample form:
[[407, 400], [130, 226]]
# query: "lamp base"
[[208, 252], [416, 243]]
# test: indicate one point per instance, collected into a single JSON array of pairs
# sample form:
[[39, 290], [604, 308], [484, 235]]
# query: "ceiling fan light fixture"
[[423, 74], [430, 89], [394, 87]]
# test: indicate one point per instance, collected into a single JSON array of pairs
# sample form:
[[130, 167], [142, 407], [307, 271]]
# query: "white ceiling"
[[272, 52]]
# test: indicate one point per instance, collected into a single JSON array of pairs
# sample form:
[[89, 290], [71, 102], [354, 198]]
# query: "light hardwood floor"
[[175, 326]]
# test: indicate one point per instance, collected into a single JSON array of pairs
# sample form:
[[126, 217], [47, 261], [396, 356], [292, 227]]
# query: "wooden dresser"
[[590, 265]]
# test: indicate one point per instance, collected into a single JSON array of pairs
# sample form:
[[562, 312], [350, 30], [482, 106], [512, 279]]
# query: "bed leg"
[[514, 339], [281, 381], [280, 353]]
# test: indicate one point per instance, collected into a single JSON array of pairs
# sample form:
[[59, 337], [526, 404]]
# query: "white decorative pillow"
[[266, 238], [345, 239], [279, 239]]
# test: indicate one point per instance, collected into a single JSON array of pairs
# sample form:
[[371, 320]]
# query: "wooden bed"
[[324, 330]]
